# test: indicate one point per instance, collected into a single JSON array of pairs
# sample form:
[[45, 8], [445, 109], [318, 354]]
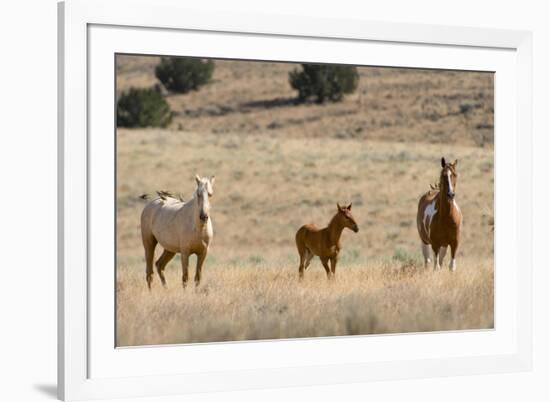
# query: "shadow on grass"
[[271, 103]]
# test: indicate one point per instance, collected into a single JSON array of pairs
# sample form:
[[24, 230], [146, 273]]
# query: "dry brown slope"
[[391, 104]]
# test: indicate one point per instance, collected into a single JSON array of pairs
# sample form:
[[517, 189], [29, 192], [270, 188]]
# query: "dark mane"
[[163, 195]]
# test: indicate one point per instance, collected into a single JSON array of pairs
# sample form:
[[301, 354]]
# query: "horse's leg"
[[454, 247], [149, 244], [435, 248], [301, 266], [324, 260], [161, 263], [426, 252], [184, 267], [333, 261], [442, 252], [309, 256], [198, 271], [302, 252]]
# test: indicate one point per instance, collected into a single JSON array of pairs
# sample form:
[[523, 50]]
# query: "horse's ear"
[[349, 206], [443, 163], [197, 179], [338, 206], [456, 162], [212, 179]]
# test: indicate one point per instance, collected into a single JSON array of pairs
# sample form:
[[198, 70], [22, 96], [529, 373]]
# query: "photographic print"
[[264, 200]]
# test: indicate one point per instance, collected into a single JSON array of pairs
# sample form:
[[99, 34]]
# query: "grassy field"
[[252, 300], [278, 166]]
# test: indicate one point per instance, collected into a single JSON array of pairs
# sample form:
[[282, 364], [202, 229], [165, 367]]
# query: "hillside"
[[390, 104]]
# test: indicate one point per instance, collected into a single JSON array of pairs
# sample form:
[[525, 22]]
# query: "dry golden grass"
[[265, 301], [270, 181]]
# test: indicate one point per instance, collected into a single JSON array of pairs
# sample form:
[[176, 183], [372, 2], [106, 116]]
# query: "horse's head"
[[205, 190], [344, 213], [447, 179]]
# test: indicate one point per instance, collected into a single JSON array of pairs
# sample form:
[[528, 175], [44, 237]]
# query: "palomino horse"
[[439, 219], [179, 227], [312, 241]]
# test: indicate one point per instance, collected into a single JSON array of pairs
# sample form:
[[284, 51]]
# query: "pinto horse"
[[439, 219], [325, 242], [179, 227]]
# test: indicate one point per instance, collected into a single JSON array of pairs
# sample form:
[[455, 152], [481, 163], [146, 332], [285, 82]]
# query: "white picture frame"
[[91, 32]]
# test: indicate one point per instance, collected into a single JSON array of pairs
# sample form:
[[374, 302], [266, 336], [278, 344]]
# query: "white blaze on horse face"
[[449, 181], [429, 213]]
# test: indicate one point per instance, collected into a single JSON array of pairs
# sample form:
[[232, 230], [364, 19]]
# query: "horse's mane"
[[434, 188], [163, 195]]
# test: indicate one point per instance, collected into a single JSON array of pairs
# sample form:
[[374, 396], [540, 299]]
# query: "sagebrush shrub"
[[324, 82], [182, 74], [143, 107]]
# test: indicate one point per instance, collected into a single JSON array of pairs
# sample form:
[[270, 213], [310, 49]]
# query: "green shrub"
[[324, 82], [143, 107], [181, 74]]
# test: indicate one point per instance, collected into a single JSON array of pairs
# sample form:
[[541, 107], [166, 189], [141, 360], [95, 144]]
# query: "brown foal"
[[325, 242]]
